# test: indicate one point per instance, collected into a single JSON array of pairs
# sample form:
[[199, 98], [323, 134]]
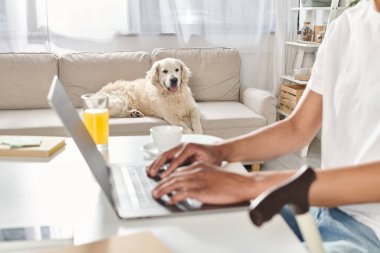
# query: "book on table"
[[30, 146], [28, 239]]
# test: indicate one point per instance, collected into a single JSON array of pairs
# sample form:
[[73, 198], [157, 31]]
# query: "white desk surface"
[[61, 190]]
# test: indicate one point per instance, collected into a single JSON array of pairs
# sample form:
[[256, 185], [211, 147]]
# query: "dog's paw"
[[136, 114]]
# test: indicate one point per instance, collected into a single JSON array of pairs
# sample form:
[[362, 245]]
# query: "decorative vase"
[[320, 37], [306, 32]]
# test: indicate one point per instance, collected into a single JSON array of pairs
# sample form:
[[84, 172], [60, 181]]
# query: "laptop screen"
[[61, 104]]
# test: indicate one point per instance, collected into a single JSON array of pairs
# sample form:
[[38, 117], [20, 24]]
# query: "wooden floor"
[[294, 161]]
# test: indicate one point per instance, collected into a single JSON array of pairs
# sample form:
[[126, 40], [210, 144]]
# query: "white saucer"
[[151, 149]]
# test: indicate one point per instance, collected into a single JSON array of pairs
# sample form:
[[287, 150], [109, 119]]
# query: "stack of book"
[[30, 146]]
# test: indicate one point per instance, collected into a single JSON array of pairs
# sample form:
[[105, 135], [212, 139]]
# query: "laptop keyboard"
[[139, 187]]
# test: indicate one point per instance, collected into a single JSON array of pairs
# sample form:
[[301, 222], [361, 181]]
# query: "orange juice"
[[96, 122]]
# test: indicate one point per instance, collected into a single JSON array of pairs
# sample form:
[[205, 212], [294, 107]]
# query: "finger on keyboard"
[[157, 177]]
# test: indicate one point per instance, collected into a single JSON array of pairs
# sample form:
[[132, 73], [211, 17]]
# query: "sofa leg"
[[255, 167]]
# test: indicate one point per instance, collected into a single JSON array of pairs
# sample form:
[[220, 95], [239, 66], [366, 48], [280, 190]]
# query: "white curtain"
[[286, 30], [124, 25]]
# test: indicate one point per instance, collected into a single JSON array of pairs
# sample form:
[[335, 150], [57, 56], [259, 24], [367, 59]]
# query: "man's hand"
[[206, 183], [185, 154]]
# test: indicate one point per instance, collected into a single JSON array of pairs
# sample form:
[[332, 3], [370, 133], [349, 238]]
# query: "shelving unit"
[[329, 14], [310, 47], [291, 79], [305, 45]]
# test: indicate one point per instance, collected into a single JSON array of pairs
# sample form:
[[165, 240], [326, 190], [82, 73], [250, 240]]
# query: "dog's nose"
[[173, 80]]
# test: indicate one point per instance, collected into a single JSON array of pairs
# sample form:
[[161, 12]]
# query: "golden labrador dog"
[[164, 93]]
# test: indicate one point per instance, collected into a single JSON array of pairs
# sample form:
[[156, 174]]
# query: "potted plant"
[[353, 3], [316, 3], [324, 3]]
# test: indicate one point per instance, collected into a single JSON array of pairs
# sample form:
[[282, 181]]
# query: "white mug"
[[166, 137]]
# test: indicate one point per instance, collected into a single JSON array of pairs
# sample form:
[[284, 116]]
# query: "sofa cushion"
[[45, 122], [82, 73], [25, 79], [30, 122], [223, 119], [215, 71], [228, 119]]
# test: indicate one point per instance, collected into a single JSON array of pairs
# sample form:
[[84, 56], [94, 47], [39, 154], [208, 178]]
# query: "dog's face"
[[169, 75]]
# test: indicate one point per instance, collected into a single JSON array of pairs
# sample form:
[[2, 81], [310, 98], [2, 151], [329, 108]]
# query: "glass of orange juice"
[[96, 117]]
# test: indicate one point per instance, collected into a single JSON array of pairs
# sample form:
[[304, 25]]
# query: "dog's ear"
[[153, 74], [185, 73]]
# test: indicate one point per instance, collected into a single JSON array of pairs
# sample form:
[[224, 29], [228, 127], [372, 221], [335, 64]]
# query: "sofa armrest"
[[262, 102]]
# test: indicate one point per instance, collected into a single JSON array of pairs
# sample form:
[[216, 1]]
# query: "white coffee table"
[[61, 190]]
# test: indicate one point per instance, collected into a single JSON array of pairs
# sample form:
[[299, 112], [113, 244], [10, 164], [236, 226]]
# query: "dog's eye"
[[165, 71], [176, 70]]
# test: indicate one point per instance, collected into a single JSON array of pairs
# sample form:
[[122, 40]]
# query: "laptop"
[[126, 186]]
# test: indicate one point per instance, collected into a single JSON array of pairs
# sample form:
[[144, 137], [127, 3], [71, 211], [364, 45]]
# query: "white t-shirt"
[[347, 74]]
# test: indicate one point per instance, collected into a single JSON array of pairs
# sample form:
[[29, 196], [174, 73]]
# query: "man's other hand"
[[185, 154]]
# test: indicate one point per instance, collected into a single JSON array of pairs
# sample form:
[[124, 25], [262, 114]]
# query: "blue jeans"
[[339, 231]]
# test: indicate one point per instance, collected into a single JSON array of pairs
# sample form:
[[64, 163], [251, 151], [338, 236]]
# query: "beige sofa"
[[226, 111]]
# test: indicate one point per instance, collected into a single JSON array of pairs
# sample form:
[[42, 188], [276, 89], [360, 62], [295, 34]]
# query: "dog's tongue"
[[173, 88]]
